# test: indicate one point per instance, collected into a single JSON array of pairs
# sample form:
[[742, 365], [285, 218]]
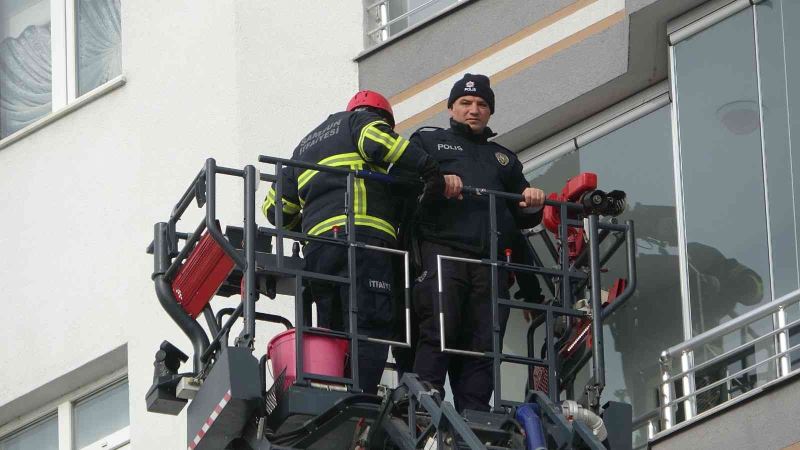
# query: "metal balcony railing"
[[386, 18], [682, 407]]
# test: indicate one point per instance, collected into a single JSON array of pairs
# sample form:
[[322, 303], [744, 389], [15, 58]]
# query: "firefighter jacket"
[[314, 201], [464, 224]]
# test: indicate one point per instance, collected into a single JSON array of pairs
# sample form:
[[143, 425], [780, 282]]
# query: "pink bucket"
[[322, 355]]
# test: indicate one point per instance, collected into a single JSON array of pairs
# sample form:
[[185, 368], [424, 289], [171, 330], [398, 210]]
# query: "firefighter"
[[459, 226], [362, 137]]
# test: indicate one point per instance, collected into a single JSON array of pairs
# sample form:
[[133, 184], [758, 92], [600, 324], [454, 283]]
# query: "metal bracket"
[[187, 387]]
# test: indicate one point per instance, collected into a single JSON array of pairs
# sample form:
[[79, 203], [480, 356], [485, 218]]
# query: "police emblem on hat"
[[502, 158], [470, 84]]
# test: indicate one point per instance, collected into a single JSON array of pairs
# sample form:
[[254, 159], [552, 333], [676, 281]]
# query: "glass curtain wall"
[[735, 98], [725, 208], [779, 69], [737, 109], [722, 171], [637, 159]]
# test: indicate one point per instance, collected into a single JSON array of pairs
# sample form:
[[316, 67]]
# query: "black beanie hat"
[[477, 85]]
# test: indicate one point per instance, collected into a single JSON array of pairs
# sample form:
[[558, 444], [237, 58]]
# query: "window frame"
[[64, 71], [31, 424], [63, 410]]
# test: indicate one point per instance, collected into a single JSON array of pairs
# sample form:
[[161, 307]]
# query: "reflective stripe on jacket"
[[314, 201]]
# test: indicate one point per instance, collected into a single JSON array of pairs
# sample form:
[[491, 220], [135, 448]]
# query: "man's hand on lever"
[[533, 198], [452, 187]]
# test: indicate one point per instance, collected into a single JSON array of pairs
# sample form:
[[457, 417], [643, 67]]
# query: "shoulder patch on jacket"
[[502, 158]]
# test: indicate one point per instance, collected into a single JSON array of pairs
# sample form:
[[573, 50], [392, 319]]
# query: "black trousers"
[[374, 274], [467, 322]]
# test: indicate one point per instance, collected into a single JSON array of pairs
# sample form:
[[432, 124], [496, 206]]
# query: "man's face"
[[473, 111]]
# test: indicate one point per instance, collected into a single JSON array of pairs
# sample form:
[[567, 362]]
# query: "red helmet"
[[372, 99]]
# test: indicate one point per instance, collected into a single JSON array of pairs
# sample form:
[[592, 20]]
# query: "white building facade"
[[109, 108], [87, 174]]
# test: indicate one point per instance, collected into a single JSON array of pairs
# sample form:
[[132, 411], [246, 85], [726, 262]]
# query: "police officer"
[[361, 137], [459, 226]]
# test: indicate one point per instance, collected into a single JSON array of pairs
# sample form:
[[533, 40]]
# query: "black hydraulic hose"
[[190, 327]]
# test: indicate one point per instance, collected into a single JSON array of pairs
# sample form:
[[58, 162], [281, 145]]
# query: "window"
[[637, 159], [51, 53], [42, 435], [93, 418], [101, 420], [25, 84], [389, 17], [737, 114], [720, 138], [779, 68], [98, 43]]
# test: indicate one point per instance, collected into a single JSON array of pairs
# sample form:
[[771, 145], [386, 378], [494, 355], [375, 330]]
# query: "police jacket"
[[464, 224], [314, 201]]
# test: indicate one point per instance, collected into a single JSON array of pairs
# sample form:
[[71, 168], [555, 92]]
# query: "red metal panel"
[[579, 185], [201, 275]]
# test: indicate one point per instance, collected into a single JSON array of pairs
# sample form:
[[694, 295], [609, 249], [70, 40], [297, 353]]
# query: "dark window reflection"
[[638, 160], [772, 26], [722, 169]]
